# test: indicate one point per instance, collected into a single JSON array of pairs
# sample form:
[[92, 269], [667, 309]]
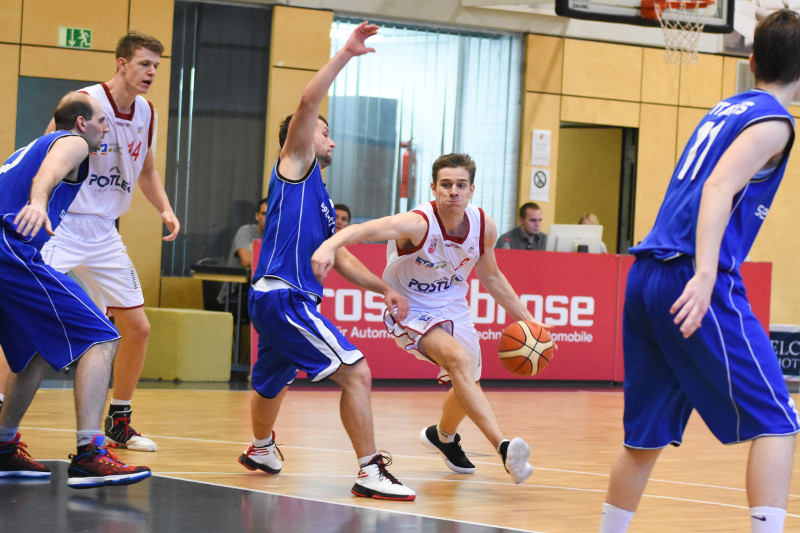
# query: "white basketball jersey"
[[434, 274], [115, 167]]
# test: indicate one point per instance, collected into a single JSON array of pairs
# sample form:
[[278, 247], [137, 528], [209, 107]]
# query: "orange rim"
[[649, 6]]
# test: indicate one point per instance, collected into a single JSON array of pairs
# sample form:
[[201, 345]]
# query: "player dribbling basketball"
[[431, 252]]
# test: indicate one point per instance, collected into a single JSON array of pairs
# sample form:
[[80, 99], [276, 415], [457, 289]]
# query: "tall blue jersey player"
[[45, 318], [691, 340], [284, 297]]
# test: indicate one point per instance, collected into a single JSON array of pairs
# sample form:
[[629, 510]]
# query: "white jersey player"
[[435, 246], [87, 242]]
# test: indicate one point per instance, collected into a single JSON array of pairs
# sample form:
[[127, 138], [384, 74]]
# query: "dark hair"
[[259, 204], [529, 205], [342, 207], [72, 106], [776, 47], [133, 40], [454, 161], [284, 131]]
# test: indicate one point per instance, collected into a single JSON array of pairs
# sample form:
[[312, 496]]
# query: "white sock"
[[260, 443], [114, 401], [615, 520], [767, 519], [445, 437], [364, 461], [8, 434], [86, 436]]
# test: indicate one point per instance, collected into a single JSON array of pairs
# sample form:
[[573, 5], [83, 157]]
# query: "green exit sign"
[[75, 38]]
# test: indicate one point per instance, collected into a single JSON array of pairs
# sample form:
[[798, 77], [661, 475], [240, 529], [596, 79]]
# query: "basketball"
[[525, 348]]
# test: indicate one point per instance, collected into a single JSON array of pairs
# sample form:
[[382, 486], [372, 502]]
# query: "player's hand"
[[397, 303], [355, 44], [31, 219], [322, 261], [172, 224], [692, 305]]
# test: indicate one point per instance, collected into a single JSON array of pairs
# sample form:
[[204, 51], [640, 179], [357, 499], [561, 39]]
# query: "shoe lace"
[[125, 429], [23, 452], [386, 460]]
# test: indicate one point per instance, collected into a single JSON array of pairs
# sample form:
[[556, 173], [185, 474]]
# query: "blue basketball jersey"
[[300, 216], [16, 176], [675, 228]]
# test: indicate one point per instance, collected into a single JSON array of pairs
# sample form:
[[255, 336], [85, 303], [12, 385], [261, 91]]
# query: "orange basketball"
[[525, 348]]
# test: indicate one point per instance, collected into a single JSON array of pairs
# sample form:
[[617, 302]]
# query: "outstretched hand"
[[355, 44], [30, 220], [692, 305]]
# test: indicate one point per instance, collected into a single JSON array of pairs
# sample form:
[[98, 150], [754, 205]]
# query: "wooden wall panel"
[[701, 84], [541, 112], [291, 26], [660, 80], [544, 65], [60, 63], [655, 162], [603, 112], [688, 119], [602, 70], [9, 66], [42, 18], [11, 15], [153, 17]]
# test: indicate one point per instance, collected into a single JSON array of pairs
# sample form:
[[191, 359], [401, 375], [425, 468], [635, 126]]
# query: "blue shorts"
[[727, 370], [43, 311], [293, 336]]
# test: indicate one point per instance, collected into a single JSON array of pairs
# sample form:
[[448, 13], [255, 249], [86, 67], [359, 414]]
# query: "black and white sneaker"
[[515, 454], [454, 457], [374, 481]]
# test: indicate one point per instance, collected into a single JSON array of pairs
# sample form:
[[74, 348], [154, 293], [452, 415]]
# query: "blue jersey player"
[[45, 318], [691, 340], [293, 335]]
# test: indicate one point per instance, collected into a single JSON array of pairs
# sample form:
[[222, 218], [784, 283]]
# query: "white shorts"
[[457, 323], [92, 249]]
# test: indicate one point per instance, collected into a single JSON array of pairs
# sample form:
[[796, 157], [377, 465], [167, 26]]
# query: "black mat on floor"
[[165, 505]]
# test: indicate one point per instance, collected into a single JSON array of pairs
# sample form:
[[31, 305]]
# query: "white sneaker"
[[139, 443], [374, 481], [516, 460], [264, 458]]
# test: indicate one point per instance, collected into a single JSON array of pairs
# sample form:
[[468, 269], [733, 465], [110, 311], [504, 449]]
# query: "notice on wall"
[[540, 185], [540, 148]]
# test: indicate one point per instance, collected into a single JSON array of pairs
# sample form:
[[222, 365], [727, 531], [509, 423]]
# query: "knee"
[[138, 328], [458, 361], [357, 375]]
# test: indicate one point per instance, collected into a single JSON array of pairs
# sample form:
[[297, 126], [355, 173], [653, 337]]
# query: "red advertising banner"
[[581, 295]]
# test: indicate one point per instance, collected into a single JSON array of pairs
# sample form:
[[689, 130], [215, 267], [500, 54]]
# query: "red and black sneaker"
[[99, 466], [15, 461]]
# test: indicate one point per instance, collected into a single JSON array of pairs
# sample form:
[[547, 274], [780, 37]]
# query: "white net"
[[682, 22]]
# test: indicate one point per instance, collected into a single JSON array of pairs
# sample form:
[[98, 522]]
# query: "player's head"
[[134, 40], [776, 48], [454, 161], [589, 219], [323, 144], [261, 214], [530, 218], [342, 216], [138, 58], [81, 114]]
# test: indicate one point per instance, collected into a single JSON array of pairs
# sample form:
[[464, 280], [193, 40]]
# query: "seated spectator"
[[591, 218], [342, 216], [242, 250], [528, 235]]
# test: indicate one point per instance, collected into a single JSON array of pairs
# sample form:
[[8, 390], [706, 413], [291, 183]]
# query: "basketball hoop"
[[682, 21]]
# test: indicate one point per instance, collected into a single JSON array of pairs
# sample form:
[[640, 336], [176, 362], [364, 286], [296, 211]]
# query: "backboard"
[[718, 19]]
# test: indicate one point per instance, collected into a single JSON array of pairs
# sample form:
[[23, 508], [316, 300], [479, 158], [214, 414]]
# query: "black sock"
[[503, 448], [83, 449], [114, 409]]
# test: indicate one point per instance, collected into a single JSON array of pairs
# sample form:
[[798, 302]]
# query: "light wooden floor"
[[574, 435]]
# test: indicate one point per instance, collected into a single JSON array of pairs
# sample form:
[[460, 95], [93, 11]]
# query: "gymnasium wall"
[[29, 47], [568, 80]]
